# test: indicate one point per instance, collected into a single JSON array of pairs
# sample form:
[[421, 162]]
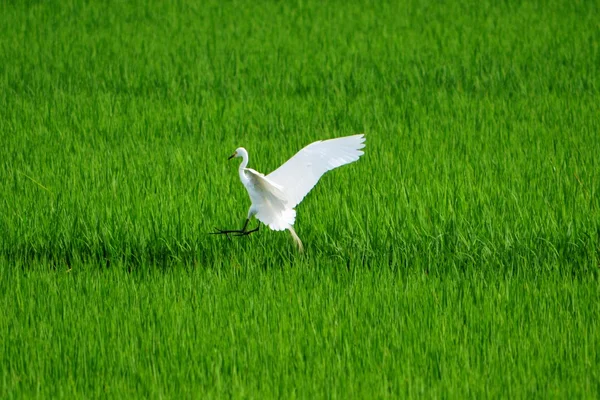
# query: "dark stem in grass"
[[235, 232]]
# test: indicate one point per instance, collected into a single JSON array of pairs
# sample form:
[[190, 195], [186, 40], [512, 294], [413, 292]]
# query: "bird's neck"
[[242, 167], [244, 163]]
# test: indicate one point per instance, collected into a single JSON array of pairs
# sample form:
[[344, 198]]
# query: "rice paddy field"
[[459, 258]]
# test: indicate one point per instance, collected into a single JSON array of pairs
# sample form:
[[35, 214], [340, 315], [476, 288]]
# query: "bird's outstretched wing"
[[269, 202], [298, 175]]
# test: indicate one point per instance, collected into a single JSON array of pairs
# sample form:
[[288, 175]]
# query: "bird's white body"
[[275, 196]]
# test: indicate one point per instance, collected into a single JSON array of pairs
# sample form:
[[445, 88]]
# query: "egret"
[[274, 196]]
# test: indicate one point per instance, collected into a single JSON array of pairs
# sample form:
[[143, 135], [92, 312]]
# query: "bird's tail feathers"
[[296, 239]]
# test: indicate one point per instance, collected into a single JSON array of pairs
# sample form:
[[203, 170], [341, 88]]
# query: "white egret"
[[275, 195]]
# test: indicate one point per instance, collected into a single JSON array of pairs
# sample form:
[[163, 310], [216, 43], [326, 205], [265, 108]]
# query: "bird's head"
[[239, 152]]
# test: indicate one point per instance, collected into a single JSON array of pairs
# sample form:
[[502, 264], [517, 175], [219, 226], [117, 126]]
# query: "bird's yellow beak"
[[231, 156]]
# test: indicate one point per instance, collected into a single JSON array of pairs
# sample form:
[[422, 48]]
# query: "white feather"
[[274, 196], [301, 173], [269, 203]]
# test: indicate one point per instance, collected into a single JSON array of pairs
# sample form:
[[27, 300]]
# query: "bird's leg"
[[235, 232]]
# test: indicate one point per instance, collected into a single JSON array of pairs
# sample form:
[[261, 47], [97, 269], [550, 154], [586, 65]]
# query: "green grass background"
[[458, 258]]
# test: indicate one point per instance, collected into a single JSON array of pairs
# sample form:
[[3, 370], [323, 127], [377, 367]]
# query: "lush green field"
[[460, 257]]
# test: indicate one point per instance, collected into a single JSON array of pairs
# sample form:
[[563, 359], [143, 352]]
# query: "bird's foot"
[[233, 232], [246, 233], [225, 232]]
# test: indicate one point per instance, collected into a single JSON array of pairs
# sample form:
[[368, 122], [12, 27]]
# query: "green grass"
[[458, 258]]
